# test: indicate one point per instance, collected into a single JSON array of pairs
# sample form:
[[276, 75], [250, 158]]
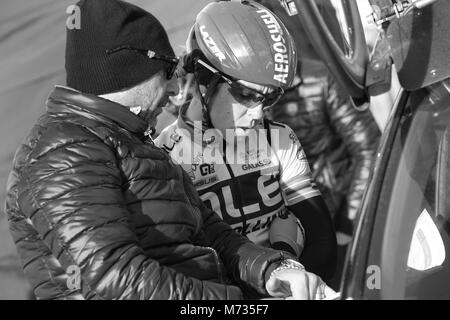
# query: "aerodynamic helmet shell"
[[245, 41]]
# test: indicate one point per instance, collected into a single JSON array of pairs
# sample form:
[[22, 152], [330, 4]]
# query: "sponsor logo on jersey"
[[259, 164], [293, 137], [174, 138], [251, 155], [281, 57], [262, 223], [227, 200], [196, 161], [207, 169], [203, 182], [301, 155], [212, 45]]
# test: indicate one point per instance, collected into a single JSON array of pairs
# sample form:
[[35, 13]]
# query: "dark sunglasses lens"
[[245, 95], [272, 98], [203, 75]]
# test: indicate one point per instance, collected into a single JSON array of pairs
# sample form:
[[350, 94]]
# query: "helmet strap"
[[205, 99]]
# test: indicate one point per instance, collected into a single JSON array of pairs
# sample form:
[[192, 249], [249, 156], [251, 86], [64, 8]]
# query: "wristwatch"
[[289, 264]]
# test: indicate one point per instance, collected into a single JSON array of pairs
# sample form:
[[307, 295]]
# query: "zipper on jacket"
[[198, 218], [219, 264]]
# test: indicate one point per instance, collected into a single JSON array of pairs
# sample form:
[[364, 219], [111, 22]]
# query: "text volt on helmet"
[[281, 57], [212, 45]]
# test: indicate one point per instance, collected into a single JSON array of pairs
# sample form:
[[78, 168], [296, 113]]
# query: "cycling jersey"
[[249, 190]]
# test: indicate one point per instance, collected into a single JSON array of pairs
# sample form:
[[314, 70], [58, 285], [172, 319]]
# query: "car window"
[[416, 242]]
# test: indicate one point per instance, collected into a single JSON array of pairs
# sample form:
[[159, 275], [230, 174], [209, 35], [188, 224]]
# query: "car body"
[[401, 246], [405, 213]]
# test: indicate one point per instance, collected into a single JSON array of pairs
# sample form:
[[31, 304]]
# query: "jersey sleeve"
[[296, 179]]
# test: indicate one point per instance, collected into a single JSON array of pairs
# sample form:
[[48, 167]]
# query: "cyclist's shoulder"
[[275, 125], [281, 129]]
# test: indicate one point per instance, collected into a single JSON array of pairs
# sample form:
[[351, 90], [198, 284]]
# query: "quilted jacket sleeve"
[[71, 192], [248, 264], [359, 133]]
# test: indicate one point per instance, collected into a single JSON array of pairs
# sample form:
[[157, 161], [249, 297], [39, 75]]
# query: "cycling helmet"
[[245, 43]]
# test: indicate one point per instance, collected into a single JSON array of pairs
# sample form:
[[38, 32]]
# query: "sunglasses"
[[170, 60], [247, 96]]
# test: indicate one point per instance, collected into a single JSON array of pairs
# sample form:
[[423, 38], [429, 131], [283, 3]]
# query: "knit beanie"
[[106, 25]]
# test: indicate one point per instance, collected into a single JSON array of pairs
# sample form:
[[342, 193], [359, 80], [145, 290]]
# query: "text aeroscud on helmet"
[[281, 57]]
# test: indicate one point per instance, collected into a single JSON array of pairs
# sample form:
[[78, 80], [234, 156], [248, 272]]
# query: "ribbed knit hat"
[[108, 24]]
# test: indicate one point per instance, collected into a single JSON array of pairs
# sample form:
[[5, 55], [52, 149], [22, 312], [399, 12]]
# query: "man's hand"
[[297, 285]]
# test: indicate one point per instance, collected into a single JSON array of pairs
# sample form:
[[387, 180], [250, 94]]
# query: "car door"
[[401, 247]]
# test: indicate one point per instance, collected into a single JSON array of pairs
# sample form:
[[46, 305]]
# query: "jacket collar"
[[68, 99]]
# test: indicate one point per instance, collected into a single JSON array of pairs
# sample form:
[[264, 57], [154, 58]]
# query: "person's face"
[[154, 94], [234, 111]]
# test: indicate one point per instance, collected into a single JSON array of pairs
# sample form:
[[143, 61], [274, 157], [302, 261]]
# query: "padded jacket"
[[98, 212]]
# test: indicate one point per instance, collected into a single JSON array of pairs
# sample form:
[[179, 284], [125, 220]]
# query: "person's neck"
[[194, 111], [123, 98]]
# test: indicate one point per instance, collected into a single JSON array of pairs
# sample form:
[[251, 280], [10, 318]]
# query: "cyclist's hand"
[[297, 285]]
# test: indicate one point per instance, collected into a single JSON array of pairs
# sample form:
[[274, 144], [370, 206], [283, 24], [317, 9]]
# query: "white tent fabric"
[[32, 41]]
